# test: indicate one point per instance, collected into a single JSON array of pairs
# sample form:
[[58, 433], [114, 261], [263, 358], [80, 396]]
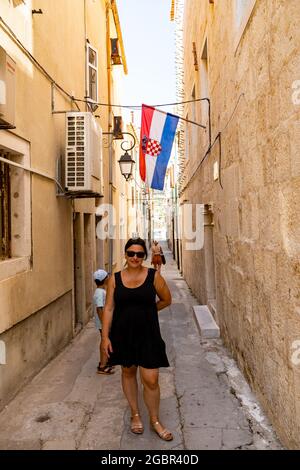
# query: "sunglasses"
[[139, 254]]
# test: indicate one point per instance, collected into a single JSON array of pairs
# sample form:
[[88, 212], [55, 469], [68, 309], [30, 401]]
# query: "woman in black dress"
[[131, 334]]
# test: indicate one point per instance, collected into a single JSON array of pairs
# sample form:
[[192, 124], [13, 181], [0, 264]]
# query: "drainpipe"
[[115, 13], [110, 150], [85, 48]]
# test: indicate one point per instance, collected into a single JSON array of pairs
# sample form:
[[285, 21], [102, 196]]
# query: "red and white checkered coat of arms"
[[153, 148]]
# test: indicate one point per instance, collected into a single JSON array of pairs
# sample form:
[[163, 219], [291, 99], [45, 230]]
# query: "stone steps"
[[205, 322]]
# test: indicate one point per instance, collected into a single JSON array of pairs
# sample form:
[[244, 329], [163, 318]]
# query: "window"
[[5, 218], [15, 206], [186, 138], [193, 129], [204, 83], [243, 11], [92, 73]]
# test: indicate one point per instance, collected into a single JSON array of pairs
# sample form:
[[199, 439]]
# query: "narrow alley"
[[205, 400], [170, 122]]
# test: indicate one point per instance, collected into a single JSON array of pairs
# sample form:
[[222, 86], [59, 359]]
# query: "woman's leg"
[[130, 389], [149, 378]]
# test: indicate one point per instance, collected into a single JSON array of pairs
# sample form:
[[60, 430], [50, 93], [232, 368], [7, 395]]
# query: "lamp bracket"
[[125, 141]]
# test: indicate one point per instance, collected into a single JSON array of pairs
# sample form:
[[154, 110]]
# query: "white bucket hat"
[[100, 275]]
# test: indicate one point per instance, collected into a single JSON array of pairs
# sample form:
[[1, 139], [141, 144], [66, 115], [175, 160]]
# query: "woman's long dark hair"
[[136, 241]]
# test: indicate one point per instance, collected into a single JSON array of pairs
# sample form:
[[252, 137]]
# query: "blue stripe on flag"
[[166, 143]]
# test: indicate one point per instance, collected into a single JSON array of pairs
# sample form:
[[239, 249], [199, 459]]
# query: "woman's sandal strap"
[[137, 428], [165, 434]]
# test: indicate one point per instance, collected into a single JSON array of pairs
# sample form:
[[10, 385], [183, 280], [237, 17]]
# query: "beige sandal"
[[136, 428], [165, 434]]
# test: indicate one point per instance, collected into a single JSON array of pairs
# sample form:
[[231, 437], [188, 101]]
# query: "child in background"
[[101, 278]]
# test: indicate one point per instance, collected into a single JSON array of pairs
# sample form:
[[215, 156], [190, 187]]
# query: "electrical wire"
[[208, 151], [31, 170], [137, 184], [233, 112], [179, 117], [6, 27], [136, 107], [205, 156], [220, 160]]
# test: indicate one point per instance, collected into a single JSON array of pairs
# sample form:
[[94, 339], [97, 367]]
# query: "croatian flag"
[[157, 136]]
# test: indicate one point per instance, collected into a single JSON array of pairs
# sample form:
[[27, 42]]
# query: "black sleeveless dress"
[[135, 333]]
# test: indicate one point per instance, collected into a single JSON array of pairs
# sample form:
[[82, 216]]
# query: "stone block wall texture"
[[256, 214]]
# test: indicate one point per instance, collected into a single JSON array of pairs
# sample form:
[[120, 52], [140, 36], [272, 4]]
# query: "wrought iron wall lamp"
[[126, 163]]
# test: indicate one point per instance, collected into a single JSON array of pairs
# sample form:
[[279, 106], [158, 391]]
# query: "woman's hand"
[[162, 291], [106, 346]]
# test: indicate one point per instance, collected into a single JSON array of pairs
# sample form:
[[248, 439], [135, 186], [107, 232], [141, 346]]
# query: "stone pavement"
[[205, 400]]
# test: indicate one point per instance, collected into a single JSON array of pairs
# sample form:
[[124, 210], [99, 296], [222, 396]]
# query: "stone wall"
[[251, 72]]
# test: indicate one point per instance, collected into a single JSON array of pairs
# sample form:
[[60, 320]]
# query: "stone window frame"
[[193, 130], [204, 104], [94, 67], [242, 26], [187, 148], [21, 232]]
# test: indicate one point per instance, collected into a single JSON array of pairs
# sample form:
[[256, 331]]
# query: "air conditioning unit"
[[7, 90], [83, 161]]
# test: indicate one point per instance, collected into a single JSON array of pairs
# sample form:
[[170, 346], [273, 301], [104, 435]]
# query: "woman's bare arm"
[[107, 317], [162, 291]]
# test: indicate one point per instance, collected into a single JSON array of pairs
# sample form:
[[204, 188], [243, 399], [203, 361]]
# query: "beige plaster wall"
[[32, 343], [57, 40]]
